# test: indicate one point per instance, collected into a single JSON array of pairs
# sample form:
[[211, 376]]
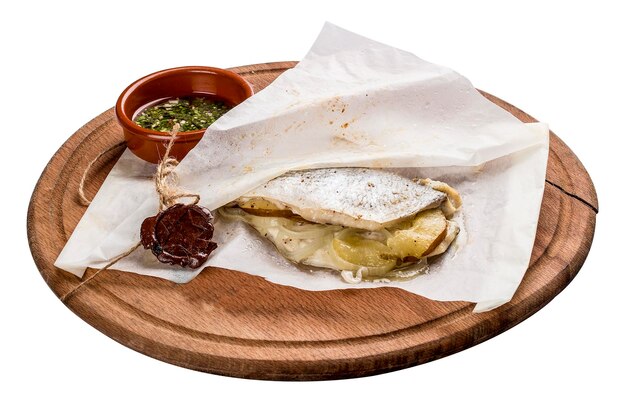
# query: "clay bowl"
[[213, 83]]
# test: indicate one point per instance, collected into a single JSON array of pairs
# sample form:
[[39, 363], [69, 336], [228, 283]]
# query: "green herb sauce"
[[192, 113]]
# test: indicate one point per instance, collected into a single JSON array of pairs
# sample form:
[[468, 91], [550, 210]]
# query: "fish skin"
[[363, 198]]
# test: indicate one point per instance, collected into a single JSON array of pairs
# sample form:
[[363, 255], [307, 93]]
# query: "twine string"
[[81, 185], [166, 180], [166, 183], [117, 258]]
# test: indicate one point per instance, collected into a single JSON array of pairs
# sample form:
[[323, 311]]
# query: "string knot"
[[166, 179]]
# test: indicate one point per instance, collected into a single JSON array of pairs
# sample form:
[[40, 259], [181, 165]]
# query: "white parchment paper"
[[350, 102]]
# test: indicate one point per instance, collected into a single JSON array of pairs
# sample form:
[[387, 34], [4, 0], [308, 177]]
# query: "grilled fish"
[[361, 198]]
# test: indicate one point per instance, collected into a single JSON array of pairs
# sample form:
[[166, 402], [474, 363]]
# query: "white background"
[[63, 64]]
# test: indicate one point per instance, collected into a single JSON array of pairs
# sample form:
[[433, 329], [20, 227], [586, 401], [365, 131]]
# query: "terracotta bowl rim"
[[183, 136]]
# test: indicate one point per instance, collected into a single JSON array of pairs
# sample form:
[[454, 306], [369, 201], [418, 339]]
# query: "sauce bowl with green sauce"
[[192, 96]]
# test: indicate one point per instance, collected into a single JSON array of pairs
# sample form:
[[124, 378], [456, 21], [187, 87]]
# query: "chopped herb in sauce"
[[192, 113]]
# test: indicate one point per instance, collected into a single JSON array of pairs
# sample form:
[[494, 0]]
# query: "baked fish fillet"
[[362, 198]]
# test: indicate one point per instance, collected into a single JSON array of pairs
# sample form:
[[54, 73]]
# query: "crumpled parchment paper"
[[350, 102]]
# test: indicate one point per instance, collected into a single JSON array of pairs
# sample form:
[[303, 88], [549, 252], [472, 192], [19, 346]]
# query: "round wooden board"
[[234, 324]]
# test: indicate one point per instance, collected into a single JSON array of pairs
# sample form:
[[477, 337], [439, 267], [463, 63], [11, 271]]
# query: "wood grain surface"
[[234, 324]]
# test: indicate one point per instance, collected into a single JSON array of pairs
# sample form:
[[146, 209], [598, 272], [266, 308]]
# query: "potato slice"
[[451, 231], [427, 231], [361, 252], [263, 207]]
